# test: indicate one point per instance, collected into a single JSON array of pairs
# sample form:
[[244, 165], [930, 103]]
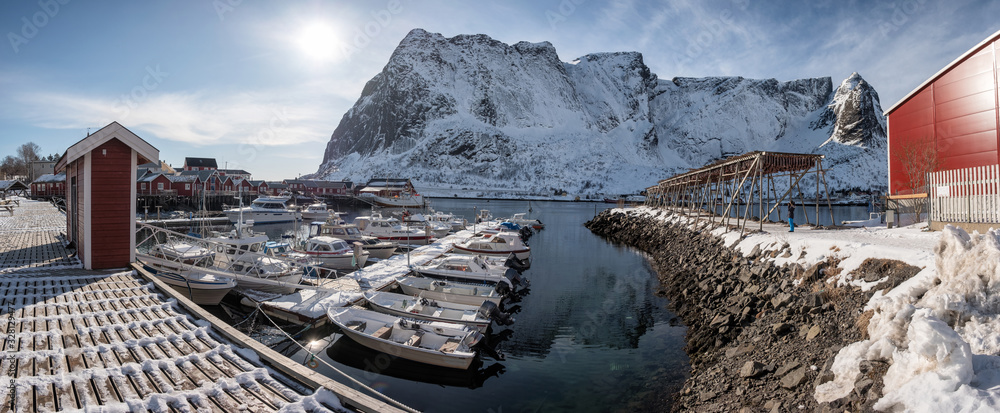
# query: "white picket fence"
[[966, 195]]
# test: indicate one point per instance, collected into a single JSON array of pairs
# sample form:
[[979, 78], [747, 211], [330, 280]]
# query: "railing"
[[966, 195]]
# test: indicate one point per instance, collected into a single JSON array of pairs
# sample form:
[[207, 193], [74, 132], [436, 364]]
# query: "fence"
[[966, 195]]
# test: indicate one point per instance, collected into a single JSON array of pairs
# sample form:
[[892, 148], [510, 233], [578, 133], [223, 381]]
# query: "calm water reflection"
[[590, 336]]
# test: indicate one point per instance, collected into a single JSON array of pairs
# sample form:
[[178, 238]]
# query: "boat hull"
[[263, 217], [450, 297], [380, 252], [292, 279], [380, 305], [422, 355], [521, 254], [339, 261], [200, 292]]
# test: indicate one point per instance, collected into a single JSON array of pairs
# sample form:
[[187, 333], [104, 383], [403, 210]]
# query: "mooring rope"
[[352, 379]]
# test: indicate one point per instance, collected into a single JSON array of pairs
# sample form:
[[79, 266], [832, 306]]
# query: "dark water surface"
[[591, 335]]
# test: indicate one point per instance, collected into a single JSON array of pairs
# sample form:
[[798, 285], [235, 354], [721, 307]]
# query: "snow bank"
[[938, 331]]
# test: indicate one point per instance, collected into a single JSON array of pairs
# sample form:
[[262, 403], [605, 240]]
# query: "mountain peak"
[[472, 111]]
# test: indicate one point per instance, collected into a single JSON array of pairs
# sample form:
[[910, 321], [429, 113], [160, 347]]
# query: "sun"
[[318, 41]]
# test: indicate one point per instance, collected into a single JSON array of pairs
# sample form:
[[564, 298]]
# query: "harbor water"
[[591, 335]]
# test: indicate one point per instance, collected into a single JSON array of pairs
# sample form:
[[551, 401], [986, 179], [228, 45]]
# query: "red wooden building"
[[154, 184], [185, 185], [101, 192], [951, 119], [49, 186]]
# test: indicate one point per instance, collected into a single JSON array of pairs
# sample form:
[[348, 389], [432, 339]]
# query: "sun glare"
[[318, 41]]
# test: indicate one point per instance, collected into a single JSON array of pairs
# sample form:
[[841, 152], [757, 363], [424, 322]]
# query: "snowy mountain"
[[473, 112]]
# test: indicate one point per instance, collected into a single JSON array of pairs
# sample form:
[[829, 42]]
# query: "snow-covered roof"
[[49, 178]]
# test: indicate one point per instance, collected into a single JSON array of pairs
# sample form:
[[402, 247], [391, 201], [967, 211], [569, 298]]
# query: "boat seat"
[[450, 346], [383, 332], [414, 340]]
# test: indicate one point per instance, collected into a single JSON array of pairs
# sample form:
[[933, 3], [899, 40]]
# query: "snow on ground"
[[938, 330]]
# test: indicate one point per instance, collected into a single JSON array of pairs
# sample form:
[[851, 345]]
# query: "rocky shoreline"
[[760, 337]]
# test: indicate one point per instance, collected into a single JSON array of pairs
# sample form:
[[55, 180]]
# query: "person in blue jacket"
[[791, 216]]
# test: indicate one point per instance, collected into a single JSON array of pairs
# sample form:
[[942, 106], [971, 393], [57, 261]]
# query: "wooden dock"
[[122, 341]]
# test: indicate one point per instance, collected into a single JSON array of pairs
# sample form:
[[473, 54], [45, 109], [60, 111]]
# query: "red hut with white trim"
[[101, 192]]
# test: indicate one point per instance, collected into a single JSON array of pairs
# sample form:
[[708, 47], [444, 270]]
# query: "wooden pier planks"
[[89, 338]]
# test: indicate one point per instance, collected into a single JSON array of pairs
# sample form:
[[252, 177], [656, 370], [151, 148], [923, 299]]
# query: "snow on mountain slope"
[[473, 112]]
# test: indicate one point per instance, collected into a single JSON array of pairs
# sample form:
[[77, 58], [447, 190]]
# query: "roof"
[[276, 185], [942, 72], [233, 172], [150, 177], [48, 178], [200, 162], [257, 183], [202, 175], [182, 178], [114, 130], [388, 182], [13, 185]]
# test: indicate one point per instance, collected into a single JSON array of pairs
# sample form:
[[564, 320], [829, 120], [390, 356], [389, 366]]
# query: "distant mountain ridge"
[[470, 111]]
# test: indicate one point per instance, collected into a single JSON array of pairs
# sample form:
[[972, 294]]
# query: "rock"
[[751, 369], [780, 329], [706, 395], [813, 300], [814, 273], [861, 387], [813, 332], [787, 254], [794, 378], [787, 367], [781, 300]]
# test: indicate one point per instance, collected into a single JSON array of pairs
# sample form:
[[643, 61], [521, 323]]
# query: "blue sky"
[[262, 85]]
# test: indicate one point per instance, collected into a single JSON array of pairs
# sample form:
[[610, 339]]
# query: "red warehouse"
[[101, 192], [943, 141], [948, 122]]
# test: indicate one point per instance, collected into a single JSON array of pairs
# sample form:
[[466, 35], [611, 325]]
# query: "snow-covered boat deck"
[[118, 341]]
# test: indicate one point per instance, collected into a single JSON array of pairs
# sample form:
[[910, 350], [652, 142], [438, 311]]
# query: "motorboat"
[[501, 243], [276, 275], [457, 224], [230, 245], [390, 229], [391, 193], [450, 291], [334, 253], [438, 229], [265, 210], [520, 219], [179, 265], [349, 232], [436, 343], [469, 268], [479, 317], [317, 211]]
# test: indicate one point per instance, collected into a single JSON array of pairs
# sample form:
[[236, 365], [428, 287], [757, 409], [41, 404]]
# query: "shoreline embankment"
[[761, 336]]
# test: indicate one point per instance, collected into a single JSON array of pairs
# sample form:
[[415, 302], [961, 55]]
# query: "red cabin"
[[101, 192], [49, 186]]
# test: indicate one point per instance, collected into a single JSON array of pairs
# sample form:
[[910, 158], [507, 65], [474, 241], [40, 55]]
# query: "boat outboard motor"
[[490, 310], [516, 263], [525, 233], [476, 340], [502, 288], [515, 277]]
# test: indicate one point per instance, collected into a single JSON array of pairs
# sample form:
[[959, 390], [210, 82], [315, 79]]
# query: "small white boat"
[[457, 224], [317, 211], [265, 268], [469, 268], [520, 219], [349, 232], [451, 291], [238, 241], [477, 316], [177, 265], [438, 229], [334, 253], [439, 344], [265, 210], [501, 244], [389, 229]]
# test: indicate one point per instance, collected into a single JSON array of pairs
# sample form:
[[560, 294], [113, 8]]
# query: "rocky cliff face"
[[469, 111]]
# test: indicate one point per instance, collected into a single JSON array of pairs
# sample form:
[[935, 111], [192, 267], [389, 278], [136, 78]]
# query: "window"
[[187, 187], [143, 186], [159, 186]]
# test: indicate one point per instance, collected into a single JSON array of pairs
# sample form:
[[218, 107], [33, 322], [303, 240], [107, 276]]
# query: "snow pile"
[[938, 331]]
